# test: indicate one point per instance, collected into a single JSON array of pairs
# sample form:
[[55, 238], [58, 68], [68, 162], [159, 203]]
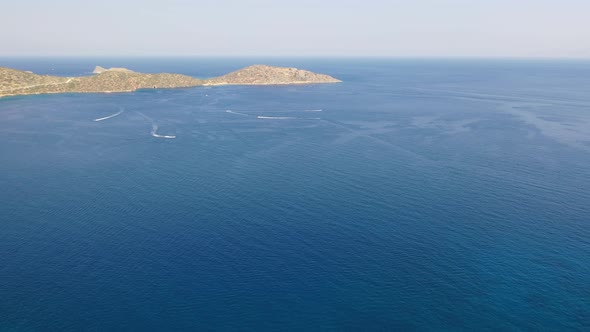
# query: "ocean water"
[[416, 195]]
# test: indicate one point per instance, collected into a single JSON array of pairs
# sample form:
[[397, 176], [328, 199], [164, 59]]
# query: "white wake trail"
[[121, 110], [155, 134], [236, 113], [276, 117], [313, 111], [154, 131]]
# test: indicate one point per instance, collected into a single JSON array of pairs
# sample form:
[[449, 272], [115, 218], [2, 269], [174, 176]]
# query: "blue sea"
[[418, 194]]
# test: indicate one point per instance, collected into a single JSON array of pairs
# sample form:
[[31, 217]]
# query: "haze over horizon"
[[424, 28]]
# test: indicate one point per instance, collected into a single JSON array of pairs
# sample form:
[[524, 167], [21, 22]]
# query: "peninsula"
[[17, 82]]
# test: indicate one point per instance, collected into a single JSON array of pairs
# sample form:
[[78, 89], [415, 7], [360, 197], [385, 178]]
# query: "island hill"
[[16, 82]]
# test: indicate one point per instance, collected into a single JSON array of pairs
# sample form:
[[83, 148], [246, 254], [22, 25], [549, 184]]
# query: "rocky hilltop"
[[266, 75], [17, 82], [100, 70], [12, 79]]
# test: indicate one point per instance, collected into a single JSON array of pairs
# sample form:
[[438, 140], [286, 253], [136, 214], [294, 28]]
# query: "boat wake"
[[276, 117], [313, 111], [121, 110], [154, 131], [284, 118], [236, 113]]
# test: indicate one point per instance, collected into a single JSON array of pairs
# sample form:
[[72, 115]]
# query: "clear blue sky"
[[513, 28]]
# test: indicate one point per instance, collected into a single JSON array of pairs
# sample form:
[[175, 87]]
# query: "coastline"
[[163, 88], [121, 80]]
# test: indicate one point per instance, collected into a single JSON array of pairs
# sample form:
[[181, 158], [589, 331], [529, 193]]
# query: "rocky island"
[[17, 82]]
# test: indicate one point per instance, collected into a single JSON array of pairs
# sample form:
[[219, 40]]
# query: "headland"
[[15, 82]]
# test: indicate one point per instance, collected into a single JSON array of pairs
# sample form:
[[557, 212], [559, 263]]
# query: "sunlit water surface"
[[417, 194]]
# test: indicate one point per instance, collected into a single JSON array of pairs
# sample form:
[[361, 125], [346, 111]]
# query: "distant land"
[[15, 82]]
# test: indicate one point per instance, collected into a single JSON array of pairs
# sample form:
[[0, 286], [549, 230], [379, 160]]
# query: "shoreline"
[[163, 88], [120, 80]]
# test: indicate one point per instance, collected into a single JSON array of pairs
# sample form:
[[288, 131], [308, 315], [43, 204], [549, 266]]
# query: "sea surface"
[[419, 194]]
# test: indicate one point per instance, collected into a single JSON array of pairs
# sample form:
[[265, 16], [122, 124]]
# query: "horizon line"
[[475, 57]]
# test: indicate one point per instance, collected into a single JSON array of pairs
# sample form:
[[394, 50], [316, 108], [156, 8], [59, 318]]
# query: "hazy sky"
[[521, 28]]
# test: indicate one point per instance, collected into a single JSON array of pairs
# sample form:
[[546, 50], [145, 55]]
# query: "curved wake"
[[154, 131], [155, 134], [121, 110]]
